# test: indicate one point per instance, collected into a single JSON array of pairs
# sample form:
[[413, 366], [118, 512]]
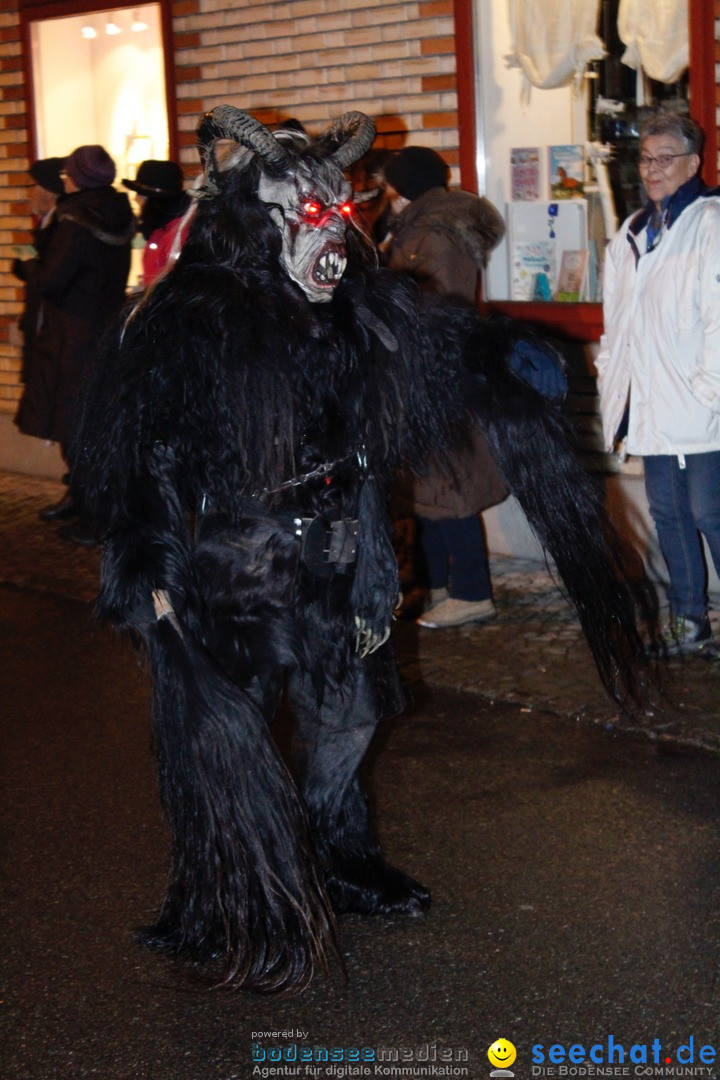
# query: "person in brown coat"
[[443, 239]]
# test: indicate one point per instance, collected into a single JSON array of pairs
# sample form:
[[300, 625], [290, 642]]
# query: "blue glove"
[[541, 367]]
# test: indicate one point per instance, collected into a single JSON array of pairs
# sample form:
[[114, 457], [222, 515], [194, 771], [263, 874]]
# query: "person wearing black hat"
[[162, 205], [80, 276], [443, 239]]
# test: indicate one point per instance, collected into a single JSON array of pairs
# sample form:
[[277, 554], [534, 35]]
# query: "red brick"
[[440, 119], [389, 122], [268, 116], [437, 83], [437, 46], [429, 9], [186, 41], [189, 106]]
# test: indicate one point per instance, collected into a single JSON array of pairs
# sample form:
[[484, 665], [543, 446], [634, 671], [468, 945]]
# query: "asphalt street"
[[574, 867]]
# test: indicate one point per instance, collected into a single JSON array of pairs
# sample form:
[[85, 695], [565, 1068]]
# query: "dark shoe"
[[60, 511], [80, 533]]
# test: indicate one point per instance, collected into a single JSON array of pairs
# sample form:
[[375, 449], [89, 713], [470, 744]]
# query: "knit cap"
[[414, 170], [46, 173], [90, 167]]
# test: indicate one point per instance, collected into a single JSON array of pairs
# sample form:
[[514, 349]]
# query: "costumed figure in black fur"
[[239, 447]]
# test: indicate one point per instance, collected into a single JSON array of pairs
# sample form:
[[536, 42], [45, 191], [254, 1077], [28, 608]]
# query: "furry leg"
[[243, 885], [334, 738]]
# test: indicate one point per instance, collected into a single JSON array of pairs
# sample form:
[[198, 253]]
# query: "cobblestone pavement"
[[532, 655]]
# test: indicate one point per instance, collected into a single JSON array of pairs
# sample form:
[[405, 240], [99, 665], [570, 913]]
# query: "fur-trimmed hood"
[[104, 212], [443, 239], [471, 222]]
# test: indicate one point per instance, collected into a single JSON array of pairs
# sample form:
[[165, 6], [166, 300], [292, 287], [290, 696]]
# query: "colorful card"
[[572, 277], [524, 173], [566, 167], [533, 270]]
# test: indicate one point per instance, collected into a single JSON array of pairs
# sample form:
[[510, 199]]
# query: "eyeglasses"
[[662, 160]]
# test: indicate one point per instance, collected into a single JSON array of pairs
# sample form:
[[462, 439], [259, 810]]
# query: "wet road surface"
[[575, 875]]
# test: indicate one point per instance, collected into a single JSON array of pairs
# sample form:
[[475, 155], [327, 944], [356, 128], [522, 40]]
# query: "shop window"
[[525, 129], [99, 77]]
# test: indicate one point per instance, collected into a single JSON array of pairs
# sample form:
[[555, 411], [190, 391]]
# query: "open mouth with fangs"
[[330, 267]]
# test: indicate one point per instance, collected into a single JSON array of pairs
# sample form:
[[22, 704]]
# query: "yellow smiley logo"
[[502, 1053]]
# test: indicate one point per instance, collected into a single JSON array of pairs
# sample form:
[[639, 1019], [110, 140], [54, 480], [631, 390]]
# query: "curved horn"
[[354, 131], [227, 122]]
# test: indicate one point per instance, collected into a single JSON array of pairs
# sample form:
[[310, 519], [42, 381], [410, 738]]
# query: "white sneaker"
[[453, 612], [683, 636]]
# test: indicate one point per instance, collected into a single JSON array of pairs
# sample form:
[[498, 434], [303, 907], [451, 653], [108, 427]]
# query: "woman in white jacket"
[[659, 361]]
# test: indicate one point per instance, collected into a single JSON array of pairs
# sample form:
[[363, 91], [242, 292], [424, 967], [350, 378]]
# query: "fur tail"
[[603, 578], [243, 886]]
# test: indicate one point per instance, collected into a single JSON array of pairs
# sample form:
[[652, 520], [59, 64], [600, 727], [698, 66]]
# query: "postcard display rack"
[[548, 248], [549, 254]]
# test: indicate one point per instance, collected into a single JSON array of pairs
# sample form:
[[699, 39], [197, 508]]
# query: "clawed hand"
[[367, 640]]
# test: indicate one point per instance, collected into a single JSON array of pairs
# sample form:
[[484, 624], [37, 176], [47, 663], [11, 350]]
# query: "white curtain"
[[655, 33], [553, 41]]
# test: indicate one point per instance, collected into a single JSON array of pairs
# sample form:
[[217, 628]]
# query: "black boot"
[[79, 532], [60, 511]]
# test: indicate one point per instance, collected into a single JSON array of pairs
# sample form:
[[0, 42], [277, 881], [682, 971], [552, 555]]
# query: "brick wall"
[[395, 61], [14, 221], [311, 59]]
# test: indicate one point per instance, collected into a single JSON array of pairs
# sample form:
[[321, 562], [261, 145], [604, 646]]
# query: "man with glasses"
[[659, 362]]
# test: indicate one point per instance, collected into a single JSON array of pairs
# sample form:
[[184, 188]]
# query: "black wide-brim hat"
[[46, 173], [157, 180]]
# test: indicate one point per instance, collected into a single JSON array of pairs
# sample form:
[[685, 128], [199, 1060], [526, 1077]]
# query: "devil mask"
[[312, 209], [307, 194]]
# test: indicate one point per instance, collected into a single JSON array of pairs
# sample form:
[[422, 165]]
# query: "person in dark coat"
[[442, 238], [80, 276], [162, 204], [45, 188]]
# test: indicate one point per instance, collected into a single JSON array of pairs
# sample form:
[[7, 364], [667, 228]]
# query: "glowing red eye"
[[312, 209], [347, 209]]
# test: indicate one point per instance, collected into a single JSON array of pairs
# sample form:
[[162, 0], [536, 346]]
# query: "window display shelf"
[[574, 322]]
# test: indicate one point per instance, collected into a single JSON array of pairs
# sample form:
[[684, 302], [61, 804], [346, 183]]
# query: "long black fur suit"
[[235, 421]]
